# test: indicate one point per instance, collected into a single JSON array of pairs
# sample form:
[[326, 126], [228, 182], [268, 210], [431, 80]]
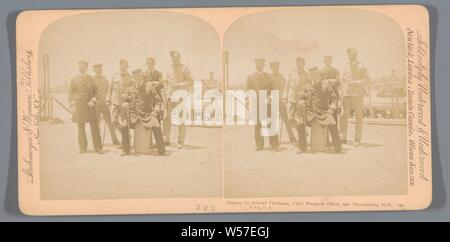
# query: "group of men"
[[319, 97], [138, 101]]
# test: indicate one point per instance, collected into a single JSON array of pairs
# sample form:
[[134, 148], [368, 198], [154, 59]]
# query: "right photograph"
[[315, 104]]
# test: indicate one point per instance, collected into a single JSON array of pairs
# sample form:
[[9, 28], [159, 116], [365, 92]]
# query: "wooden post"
[[225, 70], [225, 81], [371, 110]]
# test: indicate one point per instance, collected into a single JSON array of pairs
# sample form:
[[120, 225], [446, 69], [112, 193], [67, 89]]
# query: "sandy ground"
[[378, 167], [195, 171]]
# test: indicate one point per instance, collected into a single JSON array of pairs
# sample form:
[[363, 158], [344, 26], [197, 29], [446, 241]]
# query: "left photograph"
[[105, 86]]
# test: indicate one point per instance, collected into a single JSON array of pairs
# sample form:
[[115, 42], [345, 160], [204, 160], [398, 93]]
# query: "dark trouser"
[[104, 110], [333, 129], [302, 143], [285, 120], [356, 103], [333, 132], [157, 133], [82, 139], [259, 139], [125, 132]]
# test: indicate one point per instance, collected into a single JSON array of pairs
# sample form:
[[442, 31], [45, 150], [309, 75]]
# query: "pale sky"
[[275, 35], [311, 33], [108, 37]]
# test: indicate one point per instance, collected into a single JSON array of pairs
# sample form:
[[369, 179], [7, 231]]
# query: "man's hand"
[[302, 103], [333, 107], [149, 87], [126, 105], [124, 124], [72, 106], [92, 103]]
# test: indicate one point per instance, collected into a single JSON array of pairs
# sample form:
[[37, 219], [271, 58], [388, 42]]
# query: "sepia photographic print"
[[223, 110]]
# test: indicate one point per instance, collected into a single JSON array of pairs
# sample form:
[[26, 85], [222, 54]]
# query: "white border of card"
[[414, 21]]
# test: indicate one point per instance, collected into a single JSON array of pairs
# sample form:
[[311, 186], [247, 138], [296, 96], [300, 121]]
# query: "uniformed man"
[[155, 78], [279, 83], [355, 81], [120, 83], [332, 76], [178, 77], [295, 88], [261, 81], [103, 102], [83, 96], [211, 83], [322, 105]]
